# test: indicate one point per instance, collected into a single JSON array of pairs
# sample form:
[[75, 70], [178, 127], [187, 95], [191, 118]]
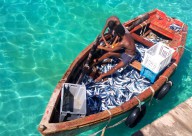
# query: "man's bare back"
[[127, 43]]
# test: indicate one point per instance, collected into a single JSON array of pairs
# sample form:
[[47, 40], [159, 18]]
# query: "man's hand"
[[100, 47], [108, 45]]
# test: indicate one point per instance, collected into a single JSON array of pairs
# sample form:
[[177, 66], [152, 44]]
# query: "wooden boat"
[[158, 23]]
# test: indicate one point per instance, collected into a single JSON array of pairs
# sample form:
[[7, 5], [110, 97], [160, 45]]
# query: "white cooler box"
[[73, 102], [155, 60]]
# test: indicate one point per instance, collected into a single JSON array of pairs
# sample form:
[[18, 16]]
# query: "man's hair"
[[111, 24], [119, 30]]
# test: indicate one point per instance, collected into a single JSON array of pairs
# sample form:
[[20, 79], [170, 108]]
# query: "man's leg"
[[107, 55]]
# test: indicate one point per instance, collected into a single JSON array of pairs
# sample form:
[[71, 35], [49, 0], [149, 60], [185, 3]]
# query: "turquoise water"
[[39, 39]]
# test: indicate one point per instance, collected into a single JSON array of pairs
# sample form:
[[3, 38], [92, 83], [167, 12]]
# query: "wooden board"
[[141, 40], [136, 64], [175, 123]]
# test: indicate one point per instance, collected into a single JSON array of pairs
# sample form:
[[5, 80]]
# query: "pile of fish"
[[175, 27], [120, 87]]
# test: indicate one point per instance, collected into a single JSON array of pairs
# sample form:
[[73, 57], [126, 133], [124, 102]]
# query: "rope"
[[116, 124], [103, 130], [139, 102], [141, 29], [144, 30], [164, 77], [153, 93], [187, 49], [112, 126], [170, 83], [175, 64], [141, 25], [177, 49], [145, 24]]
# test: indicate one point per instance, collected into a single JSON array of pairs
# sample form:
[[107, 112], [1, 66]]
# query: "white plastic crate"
[[73, 101], [157, 57]]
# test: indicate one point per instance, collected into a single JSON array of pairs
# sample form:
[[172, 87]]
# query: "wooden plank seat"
[[136, 64], [141, 40]]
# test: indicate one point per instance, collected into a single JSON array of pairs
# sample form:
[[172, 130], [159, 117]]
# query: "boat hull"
[[49, 126]]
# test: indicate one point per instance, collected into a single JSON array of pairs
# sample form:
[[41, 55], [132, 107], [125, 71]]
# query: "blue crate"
[[147, 73]]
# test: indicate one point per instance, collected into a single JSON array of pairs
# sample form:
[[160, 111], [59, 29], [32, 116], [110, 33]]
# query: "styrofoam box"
[[74, 102], [157, 57]]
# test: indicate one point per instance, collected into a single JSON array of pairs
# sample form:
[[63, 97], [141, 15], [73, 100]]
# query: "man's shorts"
[[126, 58]]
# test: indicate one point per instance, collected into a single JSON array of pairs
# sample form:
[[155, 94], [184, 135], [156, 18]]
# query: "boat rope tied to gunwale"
[[112, 126], [153, 93], [139, 102], [103, 130], [164, 77], [170, 82], [177, 49], [116, 124], [175, 64], [143, 30], [145, 24]]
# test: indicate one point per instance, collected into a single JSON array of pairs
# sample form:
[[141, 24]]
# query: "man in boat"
[[111, 23], [127, 43]]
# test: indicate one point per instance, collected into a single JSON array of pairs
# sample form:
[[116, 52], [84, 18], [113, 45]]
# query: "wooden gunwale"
[[51, 128]]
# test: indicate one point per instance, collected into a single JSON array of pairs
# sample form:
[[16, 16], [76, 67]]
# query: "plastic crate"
[[157, 57], [147, 73], [73, 101]]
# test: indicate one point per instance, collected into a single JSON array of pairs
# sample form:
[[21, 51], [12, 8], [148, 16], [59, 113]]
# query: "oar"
[[86, 67], [139, 21]]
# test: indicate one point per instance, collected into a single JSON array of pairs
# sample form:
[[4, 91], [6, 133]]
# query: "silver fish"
[[120, 87]]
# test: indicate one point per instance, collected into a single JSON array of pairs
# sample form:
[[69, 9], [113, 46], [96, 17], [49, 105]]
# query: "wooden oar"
[[139, 21], [86, 67]]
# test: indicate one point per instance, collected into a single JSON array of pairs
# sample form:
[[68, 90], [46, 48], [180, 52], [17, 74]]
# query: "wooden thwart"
[[141, 40], [136, 64]]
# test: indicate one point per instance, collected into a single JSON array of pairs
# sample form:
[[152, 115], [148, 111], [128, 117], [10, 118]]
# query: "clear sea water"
[[39, 39]]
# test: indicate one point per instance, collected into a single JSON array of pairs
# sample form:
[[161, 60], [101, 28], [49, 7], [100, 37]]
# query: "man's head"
[[111, 24], [119, 30]]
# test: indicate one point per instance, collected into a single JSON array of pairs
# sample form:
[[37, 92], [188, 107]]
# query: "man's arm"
[[114, 42], [102, 34], [116, 48]]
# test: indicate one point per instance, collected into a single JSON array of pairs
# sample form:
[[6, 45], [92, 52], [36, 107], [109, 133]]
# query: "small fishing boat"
[[79, 104]]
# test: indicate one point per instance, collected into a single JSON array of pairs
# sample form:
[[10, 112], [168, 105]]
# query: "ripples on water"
[[39, 40]]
